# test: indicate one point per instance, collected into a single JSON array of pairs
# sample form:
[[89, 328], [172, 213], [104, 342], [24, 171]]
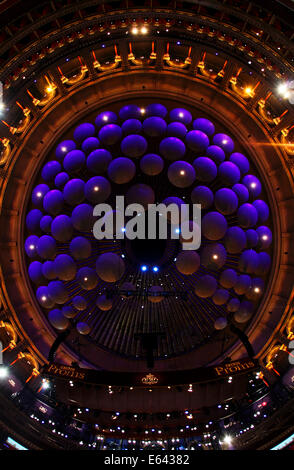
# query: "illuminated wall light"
[[45, 384], [283, 90], [3, 372], [144, 268], [228, 440], [144, 30], [135, 30]]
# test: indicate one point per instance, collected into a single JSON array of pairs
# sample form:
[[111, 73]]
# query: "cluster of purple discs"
[[233, 258]]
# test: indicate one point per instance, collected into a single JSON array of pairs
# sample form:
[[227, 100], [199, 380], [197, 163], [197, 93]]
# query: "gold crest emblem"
[[150, 379]]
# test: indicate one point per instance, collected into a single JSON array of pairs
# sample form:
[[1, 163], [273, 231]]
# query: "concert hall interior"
[[150, 343]]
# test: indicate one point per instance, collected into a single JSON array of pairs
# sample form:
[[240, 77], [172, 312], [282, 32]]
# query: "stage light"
[[45, 384], [3, 372], [155, 269], [248, 90], [144, 268], [228, 439]]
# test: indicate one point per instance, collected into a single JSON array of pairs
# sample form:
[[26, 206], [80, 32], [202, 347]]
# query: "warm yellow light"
[[182, 172], [248, 90], [215, 256], [256, 290], [283, 90], [142, 110], [144, 30], [135, 30], [264, 237], [96, 188], [49, 89]]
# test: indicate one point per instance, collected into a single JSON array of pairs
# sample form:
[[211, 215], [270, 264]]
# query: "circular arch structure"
[[206, 98]]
